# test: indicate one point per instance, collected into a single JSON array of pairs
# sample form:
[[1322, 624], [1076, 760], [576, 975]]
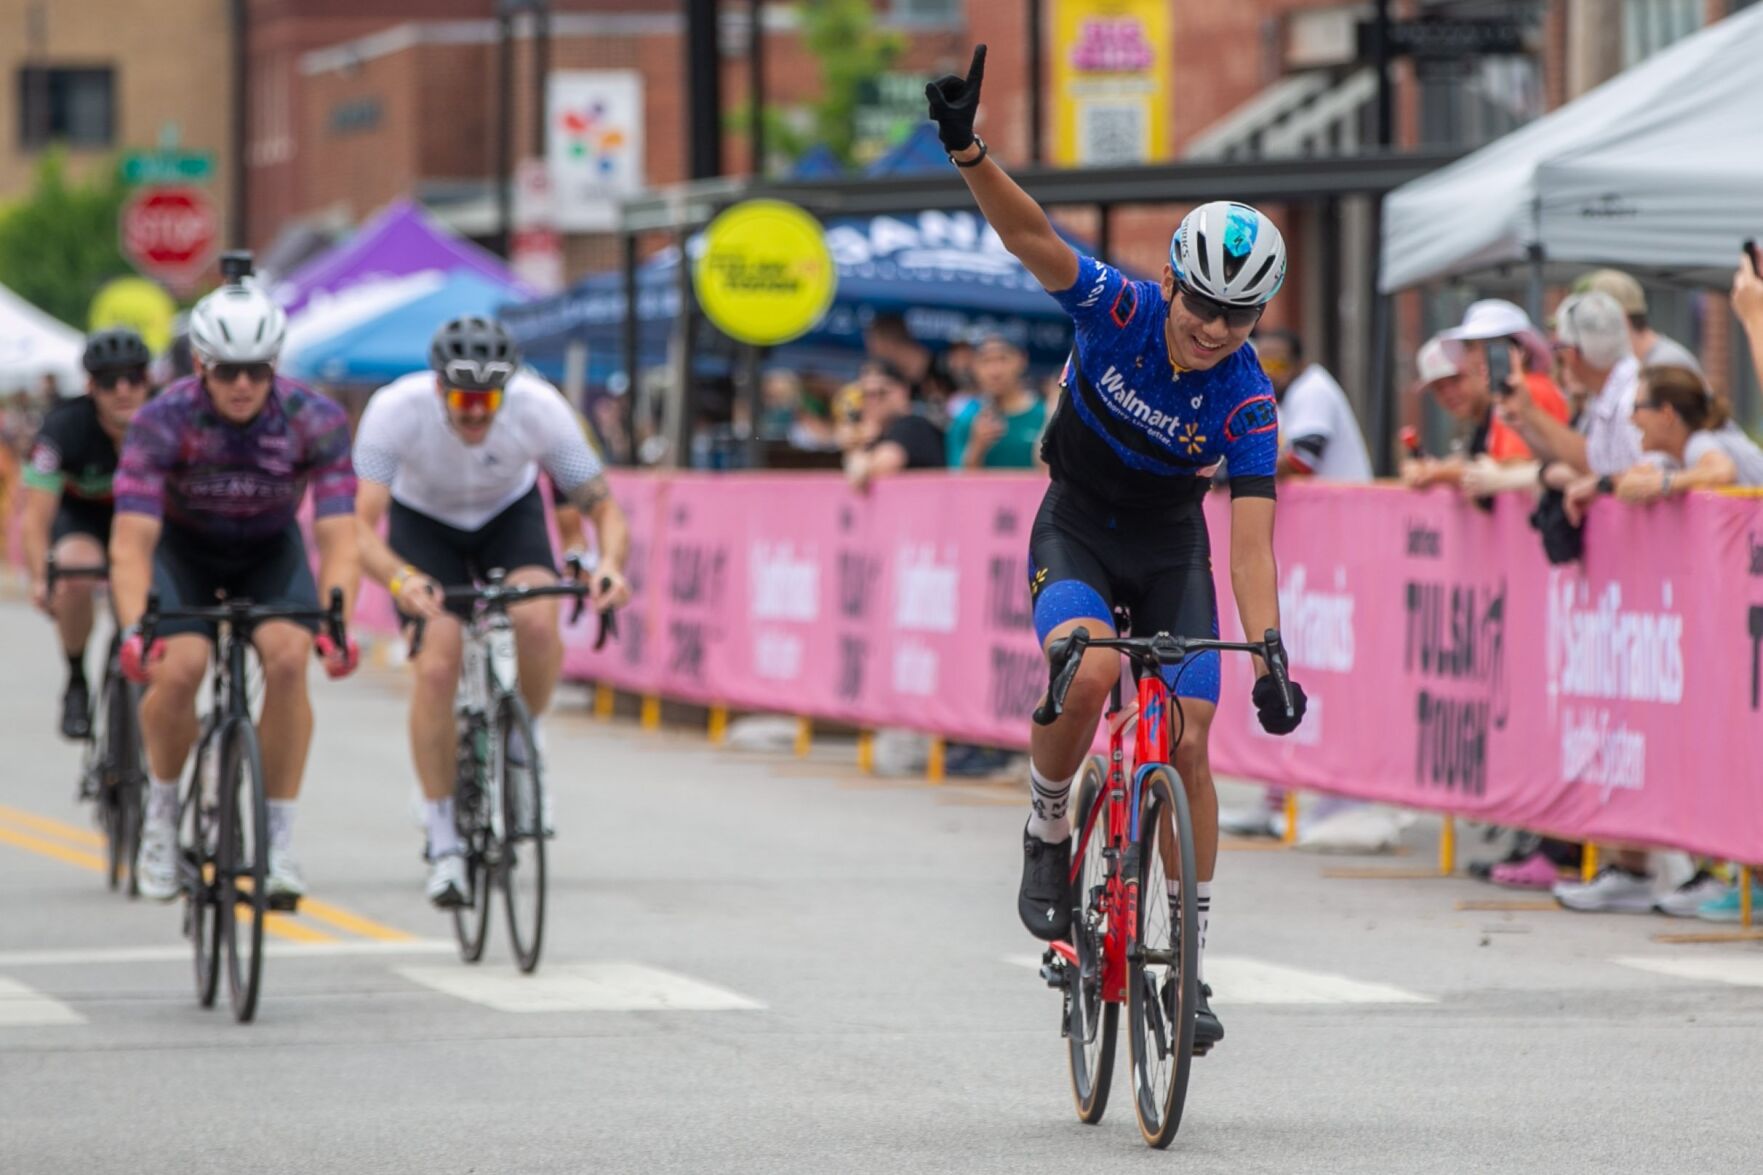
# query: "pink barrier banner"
[[1449, 666]]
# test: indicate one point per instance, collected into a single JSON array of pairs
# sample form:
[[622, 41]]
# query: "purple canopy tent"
[[401, 239]]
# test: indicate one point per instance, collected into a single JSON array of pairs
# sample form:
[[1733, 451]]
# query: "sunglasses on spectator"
[[107, 381], [1647, 405], [474, 399], [257, 373], [1210, 310]]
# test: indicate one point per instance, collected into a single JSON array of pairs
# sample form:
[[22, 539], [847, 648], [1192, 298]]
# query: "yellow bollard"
[[718, 725], [935, 770], [866, 751], [1448, 847], [804, 736], [651, 719], [605, 697], [1588, 862], [1289, 834], [1745, 896]]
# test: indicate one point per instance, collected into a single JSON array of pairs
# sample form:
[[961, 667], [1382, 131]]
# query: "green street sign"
[[167, 167]]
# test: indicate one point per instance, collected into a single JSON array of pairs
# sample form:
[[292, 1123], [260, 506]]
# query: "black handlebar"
[[52, 572], [1151, 652], [497, 596], [243, 614]]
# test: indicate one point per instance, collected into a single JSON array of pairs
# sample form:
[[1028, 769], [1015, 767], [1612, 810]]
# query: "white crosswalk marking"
[[1237, 981], [21, 1006], [580, 987], [272, 948], [1739, 970]]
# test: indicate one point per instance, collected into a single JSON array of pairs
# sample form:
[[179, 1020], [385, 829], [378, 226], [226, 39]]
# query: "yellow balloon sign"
[[138, 304], [765, 276]]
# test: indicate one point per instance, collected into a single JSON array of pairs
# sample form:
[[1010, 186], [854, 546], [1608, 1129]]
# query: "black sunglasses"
[[258, 373], [1210, 310], [106, 381]]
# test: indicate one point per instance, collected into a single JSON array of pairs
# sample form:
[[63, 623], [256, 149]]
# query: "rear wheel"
[[243, 864], [196, 865], [522, 869], [1091, 1023], [1162, 965], [125, 780], [471, 924]]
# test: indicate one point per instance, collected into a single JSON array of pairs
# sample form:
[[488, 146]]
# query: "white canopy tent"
[[33, 344], [1658, 169]]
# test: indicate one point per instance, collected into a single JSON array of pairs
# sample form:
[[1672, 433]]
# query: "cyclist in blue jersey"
[[1159, 388]]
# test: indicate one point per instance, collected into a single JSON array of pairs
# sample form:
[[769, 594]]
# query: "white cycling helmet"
[[238, 323], [1229, 252]]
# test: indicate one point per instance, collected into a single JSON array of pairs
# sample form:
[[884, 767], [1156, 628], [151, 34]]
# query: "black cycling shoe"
[[76, 710], [1044, 901], [1207, 1030]]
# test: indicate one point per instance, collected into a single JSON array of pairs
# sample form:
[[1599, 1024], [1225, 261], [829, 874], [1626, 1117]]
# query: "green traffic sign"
[[166, 167]]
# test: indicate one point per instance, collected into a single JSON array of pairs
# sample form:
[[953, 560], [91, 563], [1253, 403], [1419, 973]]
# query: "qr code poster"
[[1111, 75]]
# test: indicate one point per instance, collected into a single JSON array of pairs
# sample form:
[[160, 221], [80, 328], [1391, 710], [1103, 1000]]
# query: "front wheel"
[[1163, 988], [522, 863], [1092, 1022], [471, 924], [197, 875], [243, 864]]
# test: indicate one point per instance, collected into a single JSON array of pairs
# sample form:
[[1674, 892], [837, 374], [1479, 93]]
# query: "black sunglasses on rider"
[[106, 381], [258, 373], [1210, 310]]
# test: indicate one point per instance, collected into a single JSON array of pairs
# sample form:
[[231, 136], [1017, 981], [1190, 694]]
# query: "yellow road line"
[[353, 923], [279, 925], [67, 832], [283, 926]]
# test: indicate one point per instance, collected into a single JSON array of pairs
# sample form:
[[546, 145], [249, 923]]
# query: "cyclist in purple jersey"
[[1159, 389], [209, 481]]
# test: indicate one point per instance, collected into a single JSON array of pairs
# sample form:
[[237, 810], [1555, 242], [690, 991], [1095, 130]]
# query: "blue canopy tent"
[[919, 153], [947, 273], [396, 342], [818, 163]]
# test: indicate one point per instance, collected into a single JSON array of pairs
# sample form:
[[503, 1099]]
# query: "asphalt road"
[[772, 965]]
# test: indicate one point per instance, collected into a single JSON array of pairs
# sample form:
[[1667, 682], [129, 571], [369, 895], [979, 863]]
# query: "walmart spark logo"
[[1192, 438], [590, 137]]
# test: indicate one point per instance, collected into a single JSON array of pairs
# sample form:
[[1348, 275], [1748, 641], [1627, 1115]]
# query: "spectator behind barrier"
[[1491, 456], [882, 436], [927, 375], [1598, 362], [1681, 418], [1000, 426], [1747, 306], [1650, 347], [1318, 434], [784, 415]]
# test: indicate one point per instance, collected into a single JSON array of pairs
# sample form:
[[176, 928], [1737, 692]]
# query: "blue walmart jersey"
[[1133, 432]]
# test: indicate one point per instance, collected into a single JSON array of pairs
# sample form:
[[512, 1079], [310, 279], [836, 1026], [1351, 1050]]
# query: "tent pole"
[[1382, 312], [628, 248]]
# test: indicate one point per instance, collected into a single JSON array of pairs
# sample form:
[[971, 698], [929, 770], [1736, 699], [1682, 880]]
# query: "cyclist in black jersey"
[[67, 497], [1160, 387]]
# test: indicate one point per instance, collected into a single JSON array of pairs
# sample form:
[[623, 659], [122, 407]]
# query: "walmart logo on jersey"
[[1126, 403]]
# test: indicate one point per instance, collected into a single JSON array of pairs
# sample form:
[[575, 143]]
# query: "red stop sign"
[[170, 232]]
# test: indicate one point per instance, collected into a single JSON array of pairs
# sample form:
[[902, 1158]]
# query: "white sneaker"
[[157, 866], [1612, 891], [449, 886], [1687, 899], [286, 884]]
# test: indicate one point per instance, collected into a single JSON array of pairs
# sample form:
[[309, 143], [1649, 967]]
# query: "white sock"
[[1048, 822], [162, 801], [1202, 907], [281, 823], [443, 833]]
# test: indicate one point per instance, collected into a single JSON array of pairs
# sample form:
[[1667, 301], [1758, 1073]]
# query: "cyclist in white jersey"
[[450, 460]]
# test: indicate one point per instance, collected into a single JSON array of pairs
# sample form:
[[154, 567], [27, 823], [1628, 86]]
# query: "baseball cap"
[[1440, 358], [1496, 318], [1621, 286]]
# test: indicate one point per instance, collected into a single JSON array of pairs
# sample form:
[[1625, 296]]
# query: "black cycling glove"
[[1272, 711], [955, 101]]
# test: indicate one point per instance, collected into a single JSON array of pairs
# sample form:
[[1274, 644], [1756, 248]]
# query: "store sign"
[[1443, 39], [1111, 81], [166, 167], [765, 275], [594, 145]]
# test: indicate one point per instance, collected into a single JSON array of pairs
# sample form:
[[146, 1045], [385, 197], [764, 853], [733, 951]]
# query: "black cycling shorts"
[[513, 539], [188, 570], [1086, 557], [82, 516]]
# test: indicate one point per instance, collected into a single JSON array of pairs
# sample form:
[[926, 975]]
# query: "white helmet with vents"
[[238, 323], [1229, 252]]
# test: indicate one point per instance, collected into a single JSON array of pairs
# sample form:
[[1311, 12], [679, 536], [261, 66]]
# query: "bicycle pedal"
[[1201, 1050], [284, 903], [1055, 972]]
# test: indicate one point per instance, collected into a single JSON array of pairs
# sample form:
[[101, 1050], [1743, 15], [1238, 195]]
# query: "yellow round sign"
[[765, 276], [139, 304]]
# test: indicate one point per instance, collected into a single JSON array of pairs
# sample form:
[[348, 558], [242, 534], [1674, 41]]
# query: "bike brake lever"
[[1276, 665], [416, 627], [1067, 656]]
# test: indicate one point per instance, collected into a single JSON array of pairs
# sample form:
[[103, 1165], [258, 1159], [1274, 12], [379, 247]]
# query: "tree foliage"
[[58, 244]]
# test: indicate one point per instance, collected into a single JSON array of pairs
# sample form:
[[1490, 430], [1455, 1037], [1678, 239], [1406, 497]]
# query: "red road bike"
[[1133, 941]]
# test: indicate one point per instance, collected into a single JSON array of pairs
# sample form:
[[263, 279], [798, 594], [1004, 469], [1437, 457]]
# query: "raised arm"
[[1019, 222]]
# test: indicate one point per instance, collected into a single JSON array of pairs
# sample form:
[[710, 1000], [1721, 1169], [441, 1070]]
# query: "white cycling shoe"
[[156, 868], [449, 887], [286, 884]]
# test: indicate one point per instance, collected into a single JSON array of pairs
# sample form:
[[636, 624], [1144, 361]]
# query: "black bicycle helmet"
[[114, 349], [474, 353]]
